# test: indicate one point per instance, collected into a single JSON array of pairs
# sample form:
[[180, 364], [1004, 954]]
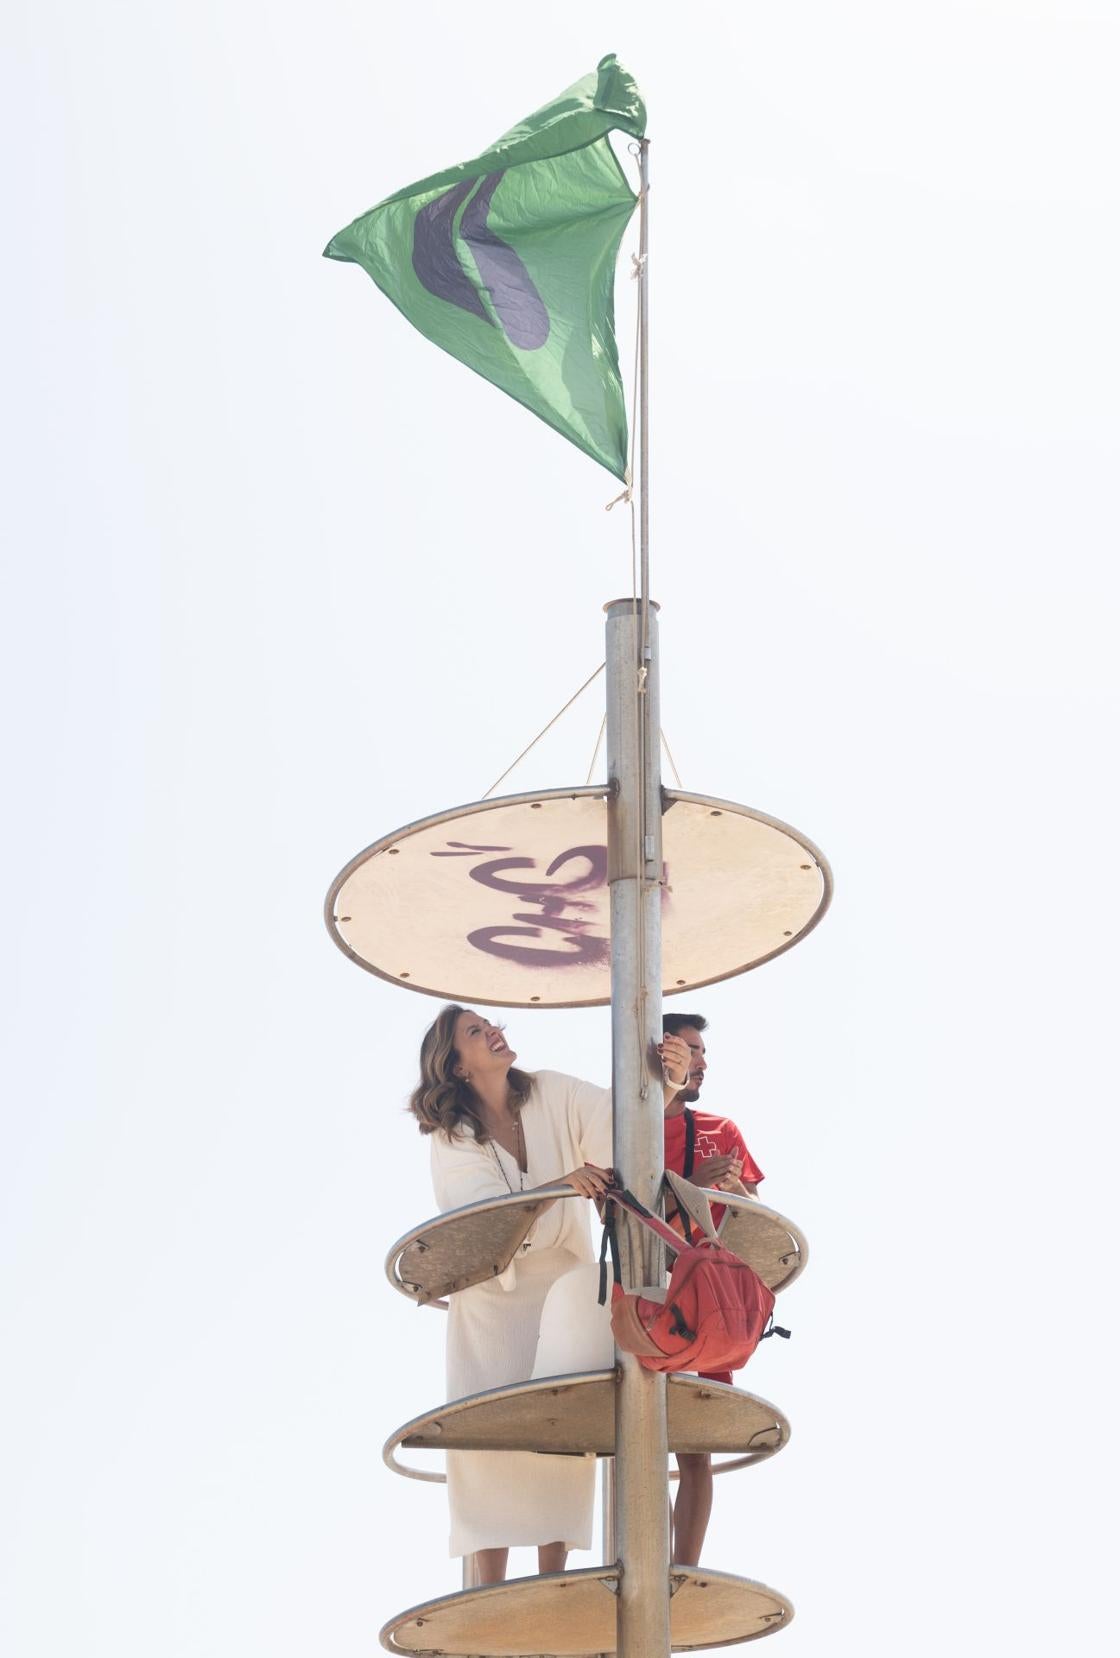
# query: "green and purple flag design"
[[507, 262]]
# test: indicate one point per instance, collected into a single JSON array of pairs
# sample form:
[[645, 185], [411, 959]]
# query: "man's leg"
[[552, 1557], [693, 1507]]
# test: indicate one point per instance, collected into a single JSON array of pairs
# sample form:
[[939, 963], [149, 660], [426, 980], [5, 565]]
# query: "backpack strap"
[[689, 1143], [653, 1223], [689, 1165], [610, 1241], [773, 1329], [680, 1326]]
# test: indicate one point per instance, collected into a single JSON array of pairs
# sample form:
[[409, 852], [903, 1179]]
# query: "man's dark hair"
[[673, 1023]]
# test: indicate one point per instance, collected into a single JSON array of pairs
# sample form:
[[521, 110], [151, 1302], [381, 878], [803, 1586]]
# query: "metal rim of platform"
[[796, 1258], [532, 1598], [545, 1386], [713, 803]]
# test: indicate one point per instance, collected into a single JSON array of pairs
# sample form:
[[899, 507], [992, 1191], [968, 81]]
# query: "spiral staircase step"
[[466, 1246], [576, 1414], [572, 1615]]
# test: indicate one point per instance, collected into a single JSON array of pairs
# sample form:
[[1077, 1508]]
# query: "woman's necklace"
[[521, 1158]]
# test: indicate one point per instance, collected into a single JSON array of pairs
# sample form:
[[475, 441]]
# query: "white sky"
[[282, 576]]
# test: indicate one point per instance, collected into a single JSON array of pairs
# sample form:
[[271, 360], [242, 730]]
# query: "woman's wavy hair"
[[445, 1101]]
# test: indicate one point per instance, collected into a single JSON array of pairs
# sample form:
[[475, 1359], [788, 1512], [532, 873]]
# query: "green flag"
[[507, 261]]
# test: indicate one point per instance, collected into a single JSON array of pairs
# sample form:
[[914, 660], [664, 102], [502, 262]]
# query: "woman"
[[494, 1131]]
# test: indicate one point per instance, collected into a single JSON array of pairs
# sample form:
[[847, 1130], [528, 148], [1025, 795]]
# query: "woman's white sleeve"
[[462, 1172], [590, 1109]]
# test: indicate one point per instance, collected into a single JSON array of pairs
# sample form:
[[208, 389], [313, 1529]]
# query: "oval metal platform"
[[505, 902], [776, 1248], [572, 1415], [466, 1246], [572, 1615]]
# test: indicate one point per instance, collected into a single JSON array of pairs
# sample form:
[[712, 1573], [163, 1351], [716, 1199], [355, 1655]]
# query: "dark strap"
[[689, 1165], [627, 1200], [679, 1326], [610, 1241], [689, 1143], [773, 1329]]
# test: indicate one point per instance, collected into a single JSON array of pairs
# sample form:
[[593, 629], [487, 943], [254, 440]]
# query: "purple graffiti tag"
[[588, 952], [467, 850], [596, 857], [558, 906]]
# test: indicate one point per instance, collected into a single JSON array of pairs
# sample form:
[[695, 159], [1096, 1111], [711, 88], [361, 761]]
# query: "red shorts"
[[715, 1376]]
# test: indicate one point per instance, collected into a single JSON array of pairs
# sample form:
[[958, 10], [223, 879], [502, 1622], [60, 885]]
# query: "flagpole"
[[641, 1503], [643, 367]]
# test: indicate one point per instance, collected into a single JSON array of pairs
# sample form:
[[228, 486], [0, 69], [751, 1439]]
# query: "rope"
[[638, 594], [672, 762], [625, 496], [598, 746], [634, 438], [591, 678], [641, 705], [638, 261]]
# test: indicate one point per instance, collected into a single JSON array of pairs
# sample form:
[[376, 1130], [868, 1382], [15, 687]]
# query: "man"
[[719, 1159]]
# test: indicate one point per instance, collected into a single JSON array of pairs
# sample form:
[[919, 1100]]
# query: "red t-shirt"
[[715, 1137]]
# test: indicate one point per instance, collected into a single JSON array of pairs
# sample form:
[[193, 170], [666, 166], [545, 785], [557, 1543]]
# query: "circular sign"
[[506, 902]]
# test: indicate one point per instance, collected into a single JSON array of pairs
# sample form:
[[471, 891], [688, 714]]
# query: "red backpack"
[[715, 1310]]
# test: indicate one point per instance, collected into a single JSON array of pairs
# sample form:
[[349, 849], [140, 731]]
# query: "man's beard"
[[691, 1094]]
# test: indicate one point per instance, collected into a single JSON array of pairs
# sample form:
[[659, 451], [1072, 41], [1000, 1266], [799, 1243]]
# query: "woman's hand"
[[676, 1058], [588, 1181]]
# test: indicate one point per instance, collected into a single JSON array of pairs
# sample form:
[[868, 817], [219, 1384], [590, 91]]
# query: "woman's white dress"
[[500, 1498]]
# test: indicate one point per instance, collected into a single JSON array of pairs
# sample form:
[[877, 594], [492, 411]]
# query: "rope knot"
[[627, 494]]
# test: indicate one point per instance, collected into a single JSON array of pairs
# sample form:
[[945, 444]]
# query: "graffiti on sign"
[[562, 928]]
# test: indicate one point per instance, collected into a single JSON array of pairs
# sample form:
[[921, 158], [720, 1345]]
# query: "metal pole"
[[643, 364], [610, 1543], [634, 864], [641, 1506]]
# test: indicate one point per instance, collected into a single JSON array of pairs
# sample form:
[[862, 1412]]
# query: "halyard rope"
[[672, 762], [598, 746], [588, 681]]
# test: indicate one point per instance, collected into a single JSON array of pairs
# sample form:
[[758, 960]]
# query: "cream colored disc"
[[566, 1614], [506, 902], [573, 1415], [461, 1247]]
